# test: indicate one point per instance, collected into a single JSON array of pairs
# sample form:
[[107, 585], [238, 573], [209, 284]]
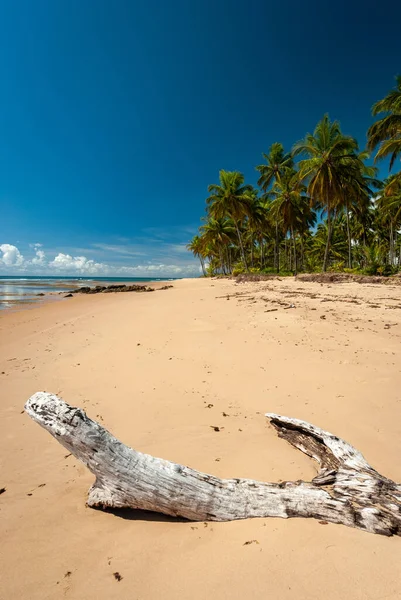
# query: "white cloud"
[[40, 258], [65, 262], [12, 257], [123, 250], [68, 264]]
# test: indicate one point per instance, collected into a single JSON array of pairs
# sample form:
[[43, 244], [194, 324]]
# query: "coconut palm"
[[197, 247], [263, 225], [358, 180], [277, 161], [338, 238], [386, 132], [288, 205], [219, 233], [327, 152], [231, 198], [389, 205]]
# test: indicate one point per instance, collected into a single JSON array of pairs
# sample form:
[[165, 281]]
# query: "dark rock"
[[40, 294], [68, 296], [102, 289]]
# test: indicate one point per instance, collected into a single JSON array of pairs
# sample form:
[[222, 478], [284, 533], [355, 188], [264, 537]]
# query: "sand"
[[147, 366]]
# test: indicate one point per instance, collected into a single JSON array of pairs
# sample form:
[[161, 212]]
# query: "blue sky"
[[115, 116]]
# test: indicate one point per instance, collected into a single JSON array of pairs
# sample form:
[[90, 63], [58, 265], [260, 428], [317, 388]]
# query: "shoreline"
[[160, 371], [43, 298]]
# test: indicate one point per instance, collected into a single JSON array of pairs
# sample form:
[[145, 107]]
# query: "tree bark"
[[241, 245], [349, 237], [203, 266], [295, 250], [326, 251], [262, 253], [301, 239], [346, 490], [391, 243], [277, 251], [221, 260], [399, 256]]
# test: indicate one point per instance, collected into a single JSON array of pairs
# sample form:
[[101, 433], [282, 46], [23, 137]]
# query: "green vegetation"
[[320, 207]]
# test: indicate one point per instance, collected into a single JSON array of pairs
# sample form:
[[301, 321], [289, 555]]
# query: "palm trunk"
[[227, 260], [391, 243], [241, 246], [302, 266], [295, 251], [221, 261], [399, 256], [278, 258], [364, 261], [288, 262], [326, 252], [203, 266], [349, 238]]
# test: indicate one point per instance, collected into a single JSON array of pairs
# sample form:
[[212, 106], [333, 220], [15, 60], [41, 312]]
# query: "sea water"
[[16, 291]]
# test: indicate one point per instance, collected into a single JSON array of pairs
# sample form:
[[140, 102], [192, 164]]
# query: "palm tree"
[[288, 203], [386, 132], [389, 205], [255, 220], [327, 152], [277, 161], [219, 233], [196, 246], [357, 180], [338, 239], [231, 198], [261, 224]]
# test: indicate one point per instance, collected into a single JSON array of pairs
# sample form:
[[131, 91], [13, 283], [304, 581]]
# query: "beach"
[[159, 370]]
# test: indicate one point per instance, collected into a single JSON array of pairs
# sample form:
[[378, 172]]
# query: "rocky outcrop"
[[106, 289]]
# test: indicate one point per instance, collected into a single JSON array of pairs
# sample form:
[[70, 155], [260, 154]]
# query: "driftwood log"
[[347, 489]]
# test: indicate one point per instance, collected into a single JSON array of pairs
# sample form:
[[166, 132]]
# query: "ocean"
[[16, 291]]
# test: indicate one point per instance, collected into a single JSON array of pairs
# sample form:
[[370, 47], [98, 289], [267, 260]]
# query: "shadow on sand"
[[132, 514]]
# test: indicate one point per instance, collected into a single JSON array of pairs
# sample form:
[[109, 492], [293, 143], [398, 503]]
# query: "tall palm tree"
[[338, 239], [196, 246], [262, 225], [389, 205], [357, 181], [288, 203], [254, 221], [231, 198], [326, 153], [219, 233], [277, 161], [386, 132]]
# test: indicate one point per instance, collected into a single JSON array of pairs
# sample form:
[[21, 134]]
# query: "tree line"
[[320, 206]]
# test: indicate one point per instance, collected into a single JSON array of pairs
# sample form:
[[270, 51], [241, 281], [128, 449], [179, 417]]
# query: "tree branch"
[[347, 489]]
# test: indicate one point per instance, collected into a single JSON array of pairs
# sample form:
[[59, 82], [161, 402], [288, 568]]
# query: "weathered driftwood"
[[346, 490]]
